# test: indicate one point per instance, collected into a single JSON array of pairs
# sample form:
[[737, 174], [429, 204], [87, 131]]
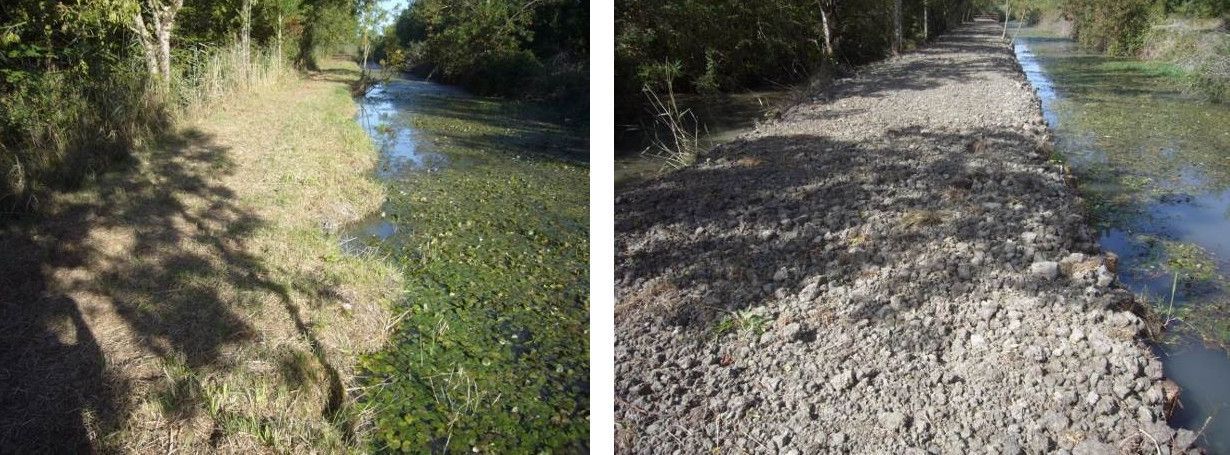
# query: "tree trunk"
[[828, 34], [164, 51], [156, 40], [365, 47], [1007, 14], [926, 34], [1019, 23], [896, 27], [150, 50], [279, 35], [245, 40]]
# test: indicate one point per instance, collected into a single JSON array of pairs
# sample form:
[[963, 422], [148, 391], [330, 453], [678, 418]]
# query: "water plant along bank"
[[1152, 165], [487, 219]]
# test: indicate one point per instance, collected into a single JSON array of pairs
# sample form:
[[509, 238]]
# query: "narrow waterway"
[[720, 118], [383, 114], [487, 218], [1154, 165]]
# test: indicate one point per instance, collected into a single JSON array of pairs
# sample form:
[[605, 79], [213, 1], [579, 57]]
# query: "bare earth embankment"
[[894, 267]]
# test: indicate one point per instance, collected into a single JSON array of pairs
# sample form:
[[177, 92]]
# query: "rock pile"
[[899, 270]]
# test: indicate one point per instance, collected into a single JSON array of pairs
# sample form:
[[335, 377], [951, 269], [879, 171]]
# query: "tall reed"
[[676, 136], [207, 74], [65, 126], [61, 127]]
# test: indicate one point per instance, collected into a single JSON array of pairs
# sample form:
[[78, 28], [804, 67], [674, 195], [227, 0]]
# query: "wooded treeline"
[[1121, 27], [530, 49], [83, 83], [722, 45], [709, 46]]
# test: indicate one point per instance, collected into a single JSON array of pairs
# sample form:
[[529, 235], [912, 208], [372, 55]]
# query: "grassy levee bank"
[[195, 298], [1192, 52]]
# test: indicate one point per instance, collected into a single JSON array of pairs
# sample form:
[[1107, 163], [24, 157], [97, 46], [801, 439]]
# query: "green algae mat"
[[489, 225]]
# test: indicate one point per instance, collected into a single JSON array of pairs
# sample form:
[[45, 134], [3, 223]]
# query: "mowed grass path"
[[195, 299]]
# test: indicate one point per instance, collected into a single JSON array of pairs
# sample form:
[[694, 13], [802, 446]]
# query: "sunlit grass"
[[226, 317]]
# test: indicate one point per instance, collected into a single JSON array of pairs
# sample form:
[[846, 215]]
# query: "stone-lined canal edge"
[[898, 269]]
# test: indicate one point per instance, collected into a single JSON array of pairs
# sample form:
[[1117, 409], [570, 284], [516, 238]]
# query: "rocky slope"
[[894, 266]]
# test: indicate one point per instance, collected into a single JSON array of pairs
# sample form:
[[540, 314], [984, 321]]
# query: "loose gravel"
[[894, 266]]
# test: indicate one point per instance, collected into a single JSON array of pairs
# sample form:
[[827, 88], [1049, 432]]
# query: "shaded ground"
[[721, 118], [893, 266], [190, 300]]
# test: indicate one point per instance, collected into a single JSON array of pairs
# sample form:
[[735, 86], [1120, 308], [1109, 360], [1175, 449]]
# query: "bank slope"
[[196, 298]]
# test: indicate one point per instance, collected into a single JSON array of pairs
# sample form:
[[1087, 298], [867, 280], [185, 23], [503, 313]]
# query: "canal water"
[[402, 149], [1153, 162], [487, 218], [720, 119]]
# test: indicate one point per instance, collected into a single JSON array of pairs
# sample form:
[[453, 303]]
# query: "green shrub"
[[707, 82], [1211, 76], [58, 128], [508, 73], [1197, 8], [1118, 27], [565, 79]]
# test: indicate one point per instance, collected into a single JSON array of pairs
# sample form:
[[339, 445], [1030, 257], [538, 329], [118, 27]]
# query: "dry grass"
[[749, 161], [191, 301], [676, 138], [216, 75], [956, 195], [916, 218], [977, 146], [657, 294]]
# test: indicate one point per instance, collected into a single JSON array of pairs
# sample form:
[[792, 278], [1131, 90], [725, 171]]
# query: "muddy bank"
[[894, 265]]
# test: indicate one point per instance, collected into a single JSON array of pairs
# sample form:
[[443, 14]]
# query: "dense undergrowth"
[[78, 95]]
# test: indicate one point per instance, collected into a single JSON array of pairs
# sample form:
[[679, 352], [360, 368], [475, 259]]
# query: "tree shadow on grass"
[[151, 260], [342, 75]]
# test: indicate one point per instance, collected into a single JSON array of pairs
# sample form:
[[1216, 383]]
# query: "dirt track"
[[894, 265]]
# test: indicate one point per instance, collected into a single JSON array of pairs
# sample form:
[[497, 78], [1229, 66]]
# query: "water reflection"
[[1042, 83], [384, 113], [366, 234]]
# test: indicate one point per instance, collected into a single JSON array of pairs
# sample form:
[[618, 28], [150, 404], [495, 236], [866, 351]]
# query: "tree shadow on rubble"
[[719, 232], [891, 76]]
